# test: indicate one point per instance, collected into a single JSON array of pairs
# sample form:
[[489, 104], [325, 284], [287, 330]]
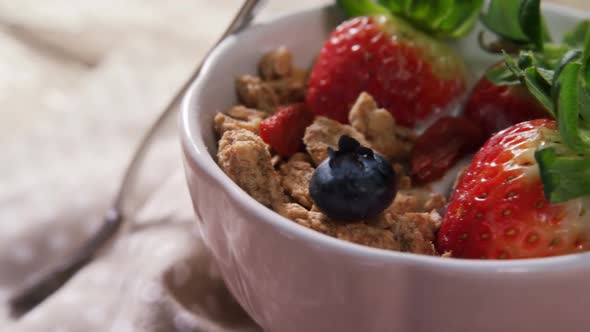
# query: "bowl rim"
[[196, 155]]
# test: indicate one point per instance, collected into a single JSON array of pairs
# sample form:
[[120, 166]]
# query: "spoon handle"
[[37, 290], [167, 118]]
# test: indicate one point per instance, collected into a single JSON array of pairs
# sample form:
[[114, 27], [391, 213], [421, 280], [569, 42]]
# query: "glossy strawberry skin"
[[441, 146], [495, 108], [498, 209], [372, 55], [284, 130]]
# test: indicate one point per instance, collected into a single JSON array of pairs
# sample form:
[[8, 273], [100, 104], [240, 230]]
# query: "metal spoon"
[[132, 192]]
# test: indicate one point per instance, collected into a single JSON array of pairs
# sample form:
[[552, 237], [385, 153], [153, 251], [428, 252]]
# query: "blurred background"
[[80, 81]]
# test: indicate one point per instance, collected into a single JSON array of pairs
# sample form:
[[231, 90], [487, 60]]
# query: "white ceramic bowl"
[[290, 278]]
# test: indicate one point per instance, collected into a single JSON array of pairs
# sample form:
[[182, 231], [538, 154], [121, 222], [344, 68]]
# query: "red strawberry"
[[496, 107], [441, 146], [284, 130], [498, 209], [406, 71]]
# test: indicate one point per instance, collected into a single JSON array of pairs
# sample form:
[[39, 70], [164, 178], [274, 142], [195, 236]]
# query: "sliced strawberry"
[[441, 146], [499, 210], [406, 71], [497, 107], [284, 130]]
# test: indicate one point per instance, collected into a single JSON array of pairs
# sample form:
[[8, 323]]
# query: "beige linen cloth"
[[80, 82]]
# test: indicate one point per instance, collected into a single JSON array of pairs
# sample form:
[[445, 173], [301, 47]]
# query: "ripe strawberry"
[[490, 109], [497, 107], [284, 130], [406, 71], [441, 146], [498, 209]]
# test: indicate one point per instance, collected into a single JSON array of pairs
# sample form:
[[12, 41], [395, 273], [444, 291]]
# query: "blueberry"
[[353, 183]]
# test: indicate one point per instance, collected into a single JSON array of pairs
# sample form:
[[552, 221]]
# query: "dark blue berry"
[[353, 183]]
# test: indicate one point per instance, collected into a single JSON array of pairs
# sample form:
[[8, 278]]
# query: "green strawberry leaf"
[[572, 98], [517, 21], [547, 75], [567, 105], [441, 18], [538, 86], [565, 176], [502, 18], [584, 84], [455, 19], [511, 64], [531, 22], [569, 56], [529, 70], [420, 9], [553, 53], [397, 6], [577, 37], [501, 75], [584, 99], [459, 18], [353, 8]]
